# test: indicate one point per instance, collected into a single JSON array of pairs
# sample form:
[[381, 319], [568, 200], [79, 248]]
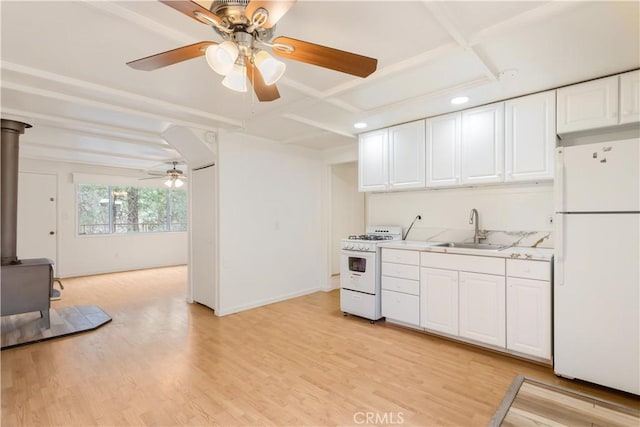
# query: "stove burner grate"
[[370, 237]]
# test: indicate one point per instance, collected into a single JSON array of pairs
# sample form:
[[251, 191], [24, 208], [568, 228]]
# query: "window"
[[108, 209]]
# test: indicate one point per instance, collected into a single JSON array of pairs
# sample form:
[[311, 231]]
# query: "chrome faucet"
[[475, 231]]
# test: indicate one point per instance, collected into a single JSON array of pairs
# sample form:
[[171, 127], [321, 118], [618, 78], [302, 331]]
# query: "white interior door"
[[202, 229], [37, 217]]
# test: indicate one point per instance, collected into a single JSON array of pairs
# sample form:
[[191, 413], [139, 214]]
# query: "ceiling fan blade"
[[170, 57], [151, 177], [193, 10], [326, 57], [263, 91], [276, 9]]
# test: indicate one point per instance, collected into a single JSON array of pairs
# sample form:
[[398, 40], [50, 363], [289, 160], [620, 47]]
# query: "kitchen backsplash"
[[513, 214]]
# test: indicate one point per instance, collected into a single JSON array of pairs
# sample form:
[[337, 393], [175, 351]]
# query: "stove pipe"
[[11, 131]]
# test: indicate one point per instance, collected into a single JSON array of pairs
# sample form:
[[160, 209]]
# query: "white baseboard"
[[255, 304]]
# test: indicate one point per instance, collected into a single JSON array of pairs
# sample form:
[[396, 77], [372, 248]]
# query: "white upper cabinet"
[[443, 150], [630, 97], [373, 161], [530, 137], [588, 105], [482, 144], [406, 156]]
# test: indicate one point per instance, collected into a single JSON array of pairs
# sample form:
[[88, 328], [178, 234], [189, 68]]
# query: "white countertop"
[[518, 252]]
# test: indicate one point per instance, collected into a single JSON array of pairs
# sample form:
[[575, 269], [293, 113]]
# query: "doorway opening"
[[347, 211]]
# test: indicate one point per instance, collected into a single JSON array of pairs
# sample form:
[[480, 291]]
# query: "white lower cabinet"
[[401, 286], [529, 308], [439, 300], [482, 308], [401, 307], [501, 303]]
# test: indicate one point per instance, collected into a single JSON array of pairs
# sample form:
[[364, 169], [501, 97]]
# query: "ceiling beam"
[[522, 20], [395, 68], [428, 96], [118, 10], [30, 142], [107, 163], [318, 125], [133, 136], [104, 105], [442, 17], [116, 93]]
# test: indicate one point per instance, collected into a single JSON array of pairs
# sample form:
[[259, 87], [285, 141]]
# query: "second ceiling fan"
[[247, 27]]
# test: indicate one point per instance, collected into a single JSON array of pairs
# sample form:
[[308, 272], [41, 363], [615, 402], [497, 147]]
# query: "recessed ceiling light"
[[360, 125], [460, 100]]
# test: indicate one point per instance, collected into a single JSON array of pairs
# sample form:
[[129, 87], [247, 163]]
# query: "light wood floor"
[[162, 361], [538, 404]]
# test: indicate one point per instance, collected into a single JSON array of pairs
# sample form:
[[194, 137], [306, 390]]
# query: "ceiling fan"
[[174, 177], [247, 27]]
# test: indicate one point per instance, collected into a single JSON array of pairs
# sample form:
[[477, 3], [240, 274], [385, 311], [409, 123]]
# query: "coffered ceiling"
[[63, 70]]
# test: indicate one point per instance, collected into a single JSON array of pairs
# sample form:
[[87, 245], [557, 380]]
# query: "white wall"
[[347, 208], [83, 255], [524, 207], [270, 222]]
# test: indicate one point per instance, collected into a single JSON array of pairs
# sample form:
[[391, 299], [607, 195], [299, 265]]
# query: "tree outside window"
[[105, 209]]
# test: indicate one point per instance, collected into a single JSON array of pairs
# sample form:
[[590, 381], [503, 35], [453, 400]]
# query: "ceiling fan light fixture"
[[222, 57], [169, 182], [178, 183], [270, 68], [236, 79]]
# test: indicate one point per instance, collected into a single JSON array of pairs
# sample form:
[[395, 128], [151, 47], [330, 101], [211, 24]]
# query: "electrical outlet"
[[550, 220]]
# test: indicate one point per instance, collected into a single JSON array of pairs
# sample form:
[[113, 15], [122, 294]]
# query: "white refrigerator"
[[597, 264]]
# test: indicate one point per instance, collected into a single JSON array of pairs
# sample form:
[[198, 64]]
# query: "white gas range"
[[360, 271]]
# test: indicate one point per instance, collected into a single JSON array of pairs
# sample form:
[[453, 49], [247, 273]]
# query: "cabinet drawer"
[[401, 285], [401, 307], [476, 264], [538, 270], [402, 271], [401, 256]]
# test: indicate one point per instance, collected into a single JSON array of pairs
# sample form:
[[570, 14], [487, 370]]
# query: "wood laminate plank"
[[540, 404], [163, 361]]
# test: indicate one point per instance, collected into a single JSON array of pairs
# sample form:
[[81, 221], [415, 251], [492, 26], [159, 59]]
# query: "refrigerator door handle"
[[558, 182], [558, 258]]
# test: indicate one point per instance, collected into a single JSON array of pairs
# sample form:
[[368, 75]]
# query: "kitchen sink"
[[464, 245]]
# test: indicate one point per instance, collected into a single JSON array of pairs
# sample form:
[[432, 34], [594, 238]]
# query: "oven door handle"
[[361, 254]]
